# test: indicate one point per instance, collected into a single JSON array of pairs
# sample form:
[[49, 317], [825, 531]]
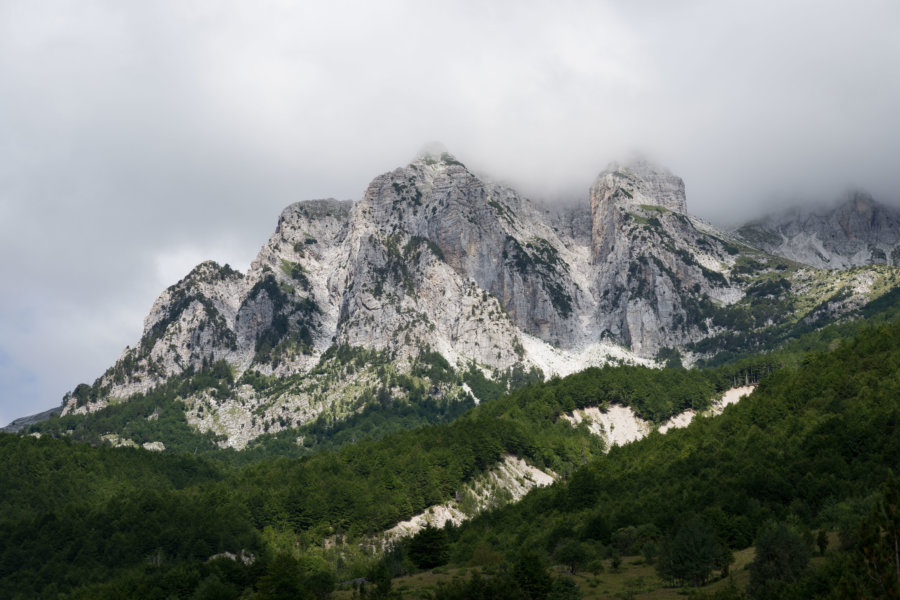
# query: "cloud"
[[138, 137]]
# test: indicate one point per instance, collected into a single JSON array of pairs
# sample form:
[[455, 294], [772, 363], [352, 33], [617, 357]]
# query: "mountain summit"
[[436, 270], [642, 182]]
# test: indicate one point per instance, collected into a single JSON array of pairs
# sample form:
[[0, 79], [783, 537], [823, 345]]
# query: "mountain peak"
[[210, 270], [436, 153], [641, 182], [432, 150], [861, 202]]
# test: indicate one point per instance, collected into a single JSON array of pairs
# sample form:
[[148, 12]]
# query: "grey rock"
[[433, 257], [22, 422], [857, 231]]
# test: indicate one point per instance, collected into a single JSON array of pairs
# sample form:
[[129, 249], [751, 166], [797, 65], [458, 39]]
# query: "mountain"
[[23, 422], [439, 283], [858, 231]]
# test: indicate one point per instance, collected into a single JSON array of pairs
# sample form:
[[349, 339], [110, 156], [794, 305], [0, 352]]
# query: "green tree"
[[691, 555], [874, 562], [429, 548], [530, 573], [213, 588], [564, 588], [822, 541], [781, 558], [381, 577], [282, 580], [574, 555], [615, 560]]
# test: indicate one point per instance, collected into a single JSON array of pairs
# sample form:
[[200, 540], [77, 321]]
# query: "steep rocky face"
[[191, 322], [436, 269], [425, 232], [434, 257], [289, 314], [858, 231], [425, 257], [650, 262], [275, 318]]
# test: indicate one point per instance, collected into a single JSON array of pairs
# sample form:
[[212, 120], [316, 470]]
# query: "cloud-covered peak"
[[432, 150]]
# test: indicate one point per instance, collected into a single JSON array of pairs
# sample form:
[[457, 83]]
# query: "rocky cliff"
[[437, 268], [857, 231]]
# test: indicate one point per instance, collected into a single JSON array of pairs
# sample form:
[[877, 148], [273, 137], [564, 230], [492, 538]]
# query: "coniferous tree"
[[691, 555], [429, 548], [781, 558]]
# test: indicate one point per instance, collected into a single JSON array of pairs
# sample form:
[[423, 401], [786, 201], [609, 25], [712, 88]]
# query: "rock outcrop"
[[22, 422], [650, 261]]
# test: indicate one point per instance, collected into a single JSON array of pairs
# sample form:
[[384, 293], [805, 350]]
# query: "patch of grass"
[[634, 579], [638, 219]]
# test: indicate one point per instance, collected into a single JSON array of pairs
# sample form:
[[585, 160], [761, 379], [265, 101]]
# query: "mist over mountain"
[[200, 121], [617, 338], [856, 231]]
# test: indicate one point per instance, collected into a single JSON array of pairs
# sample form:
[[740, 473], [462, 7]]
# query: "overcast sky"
[[140, 138]]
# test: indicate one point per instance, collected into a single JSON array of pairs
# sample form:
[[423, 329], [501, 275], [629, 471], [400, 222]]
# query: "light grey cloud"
[[137, 138]]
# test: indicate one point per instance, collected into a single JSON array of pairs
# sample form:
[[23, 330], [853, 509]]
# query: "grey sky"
[[139, 138]]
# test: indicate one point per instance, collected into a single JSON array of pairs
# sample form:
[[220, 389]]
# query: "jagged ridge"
[[346, 298]]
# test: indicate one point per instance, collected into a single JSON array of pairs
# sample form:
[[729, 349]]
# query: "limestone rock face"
[[274, 318], [453, 261], [649, 260], [858, 231], [346, 299], [435, 257], [190, 322]]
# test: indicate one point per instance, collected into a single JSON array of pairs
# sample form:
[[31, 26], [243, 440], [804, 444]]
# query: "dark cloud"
[[139, 138]]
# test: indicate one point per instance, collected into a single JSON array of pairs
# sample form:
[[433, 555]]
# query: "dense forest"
[[809, 454], [811, 450], [132, 504]]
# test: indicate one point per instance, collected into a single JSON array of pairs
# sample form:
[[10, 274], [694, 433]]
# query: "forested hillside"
[[810, 450], [101, 515]]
